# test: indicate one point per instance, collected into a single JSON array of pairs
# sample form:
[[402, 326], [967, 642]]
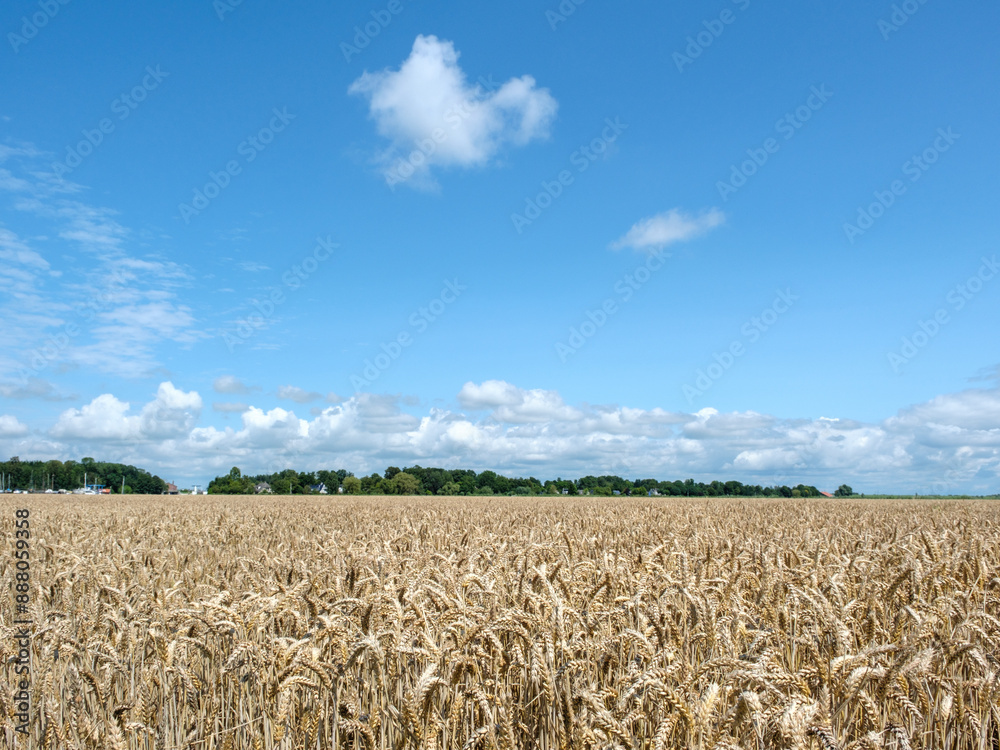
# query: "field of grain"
[[242, 622]]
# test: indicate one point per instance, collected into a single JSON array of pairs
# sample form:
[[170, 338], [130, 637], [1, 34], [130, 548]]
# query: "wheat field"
[[240, 622]]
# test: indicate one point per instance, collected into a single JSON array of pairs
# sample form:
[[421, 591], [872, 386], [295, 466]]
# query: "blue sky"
[[717, 239]]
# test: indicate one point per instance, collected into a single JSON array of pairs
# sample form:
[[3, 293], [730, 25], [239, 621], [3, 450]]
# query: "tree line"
[[69, 475], [417, 480]]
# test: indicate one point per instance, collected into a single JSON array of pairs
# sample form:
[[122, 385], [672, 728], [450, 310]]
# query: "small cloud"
[[298, 395], [489, 395], [11, 427], [230, 384], [987, 375], [333, 398], [656, 232], [253, 267], [14, 250], [34, 388], [229, 407], [429, 101]]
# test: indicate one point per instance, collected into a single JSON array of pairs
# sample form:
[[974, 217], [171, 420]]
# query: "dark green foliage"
[[68, 475], [417, 480], [287, 482]]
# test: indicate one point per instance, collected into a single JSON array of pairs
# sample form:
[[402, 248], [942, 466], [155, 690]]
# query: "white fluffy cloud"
[[276, 428], [433, 117], [173, 413], [656, 232], [972, 410], [489, 395], [11, 427], [104, 418], [514, 405], [950, 444]]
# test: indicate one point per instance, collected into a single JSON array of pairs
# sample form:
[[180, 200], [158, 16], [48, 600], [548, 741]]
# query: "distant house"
[[617, 492], [171, 489], [654, 493], [565, 491], [262, 488], [318, 488], [826, 494]]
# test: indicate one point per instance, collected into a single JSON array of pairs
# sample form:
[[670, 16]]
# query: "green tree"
[[843, 490], [433, 480], [352, 486], [450, 488], [404, 484], [372, 485], [733, 489]]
